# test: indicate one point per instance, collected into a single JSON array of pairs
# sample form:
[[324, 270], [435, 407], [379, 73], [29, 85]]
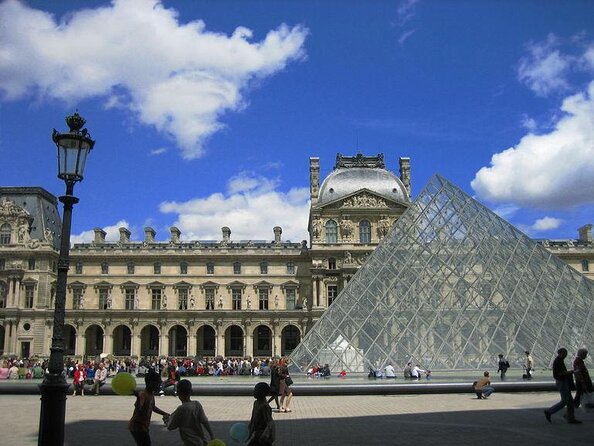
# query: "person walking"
[[503, 366], [285, 387], [274, 384], [529, 365], [563, 379], [583, 383]]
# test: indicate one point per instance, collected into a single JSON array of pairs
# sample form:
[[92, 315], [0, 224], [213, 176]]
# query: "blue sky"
[[205, 113]]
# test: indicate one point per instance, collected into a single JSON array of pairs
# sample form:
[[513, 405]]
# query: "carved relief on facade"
[[316, 228], [364, 200], [383, 226], [347, 229]]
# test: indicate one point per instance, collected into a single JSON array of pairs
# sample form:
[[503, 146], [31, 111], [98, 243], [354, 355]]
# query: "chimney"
[[149, 235], [124, 235], [585, 233], [277, 234], [226, 234], [405, 174], [314, 178], [99, 236], [175, 234]]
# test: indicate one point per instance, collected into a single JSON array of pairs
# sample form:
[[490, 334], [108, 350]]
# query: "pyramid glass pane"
[[450, 287]]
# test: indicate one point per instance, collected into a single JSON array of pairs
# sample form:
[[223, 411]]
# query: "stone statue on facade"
[[192, 303], [164, 301], [136, 303], [276, 302], [81, 302], [383, 227], [109, 302], [316, 228], [348, 258], [48, 236], [347, 228], [248, 303], [23, 233], [220, 301]]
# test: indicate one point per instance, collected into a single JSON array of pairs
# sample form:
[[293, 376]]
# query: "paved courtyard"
[[455, 419]]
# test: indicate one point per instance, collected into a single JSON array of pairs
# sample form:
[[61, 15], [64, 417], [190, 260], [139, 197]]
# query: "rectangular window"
[[105, 268], [130, 294], [291, 294], [290, 268], [78, 269], [103, 293], [2, 264], [236, 298], [182, 299], [130, 268], [263, 298], [157, 268], [585, 265], [210, 268], [183, 268], [77, 294], [263, 268], [31, 264], [332, 293], [331, 263], [237, 268], [156, 298], [209, 296], [29, 293]]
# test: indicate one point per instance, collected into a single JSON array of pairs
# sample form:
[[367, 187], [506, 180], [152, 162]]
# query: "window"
[[210, 268], [78, 268], [3, 293], [129, 296], [209, 296], [332, 293], [29, 293], [182, 299], [585, 265], [105, 268], [236, 298], [263, 267], [290, 268], [130, 267], [5, 234], [364, 231], [331, 263], [54, 266], [103, 295], [157, 268], [290, 294], [31, 265], [77, 298], [263, 298], [331, 232], [183, 268], [2, 264], [156, 298], [236, 268]]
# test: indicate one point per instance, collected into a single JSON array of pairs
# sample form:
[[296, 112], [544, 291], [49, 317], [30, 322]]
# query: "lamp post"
[[73, 148]]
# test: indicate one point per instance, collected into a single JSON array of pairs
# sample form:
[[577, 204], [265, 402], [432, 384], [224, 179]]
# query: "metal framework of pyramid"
[[450, 287]]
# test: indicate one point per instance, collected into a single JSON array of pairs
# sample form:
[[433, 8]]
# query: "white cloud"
[[546, 224], [529, 123], [551, 170], [174, 76], [113, 233], [251, 207], [406, 11], [405, 35], [545, 68], [158, 151], [506, 211]]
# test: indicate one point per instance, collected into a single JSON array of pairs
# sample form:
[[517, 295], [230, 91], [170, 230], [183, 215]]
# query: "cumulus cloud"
[[551, 170], [406, 11], [113, 233], [251, 207], [178, 77], [546, 224]]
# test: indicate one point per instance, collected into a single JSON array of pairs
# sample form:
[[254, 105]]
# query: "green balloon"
[[123, 384]]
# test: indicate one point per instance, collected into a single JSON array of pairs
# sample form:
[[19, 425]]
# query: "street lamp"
[[73, 148]]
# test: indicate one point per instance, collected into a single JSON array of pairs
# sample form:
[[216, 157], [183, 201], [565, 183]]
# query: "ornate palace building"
[[182, 297]]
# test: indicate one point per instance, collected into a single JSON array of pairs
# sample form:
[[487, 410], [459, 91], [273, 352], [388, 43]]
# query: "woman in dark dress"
[[274, 383]]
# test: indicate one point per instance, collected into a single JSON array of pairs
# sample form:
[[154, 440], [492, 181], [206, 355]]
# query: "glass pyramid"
[[451, 287]]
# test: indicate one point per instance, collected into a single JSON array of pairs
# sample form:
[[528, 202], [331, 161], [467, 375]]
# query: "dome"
[[346, 181]]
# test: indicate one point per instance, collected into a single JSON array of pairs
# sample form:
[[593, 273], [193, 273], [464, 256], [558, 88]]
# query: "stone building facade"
[[181, 297]]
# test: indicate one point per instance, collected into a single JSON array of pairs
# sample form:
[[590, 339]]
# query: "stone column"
[[315, 292], [108, 341], [163, 342], [248, 347], [135, 343], [191, 339], [80, 344], [14, 339], [276, 339], [220, 343], [7, 336]]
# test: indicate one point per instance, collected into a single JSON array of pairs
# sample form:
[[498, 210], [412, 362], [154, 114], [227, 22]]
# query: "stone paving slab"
[[452, 419]]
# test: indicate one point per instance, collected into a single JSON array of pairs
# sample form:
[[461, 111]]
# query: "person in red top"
[[144, 408], [79, 380]]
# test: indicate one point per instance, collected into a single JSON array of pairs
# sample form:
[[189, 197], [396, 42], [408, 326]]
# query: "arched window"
[[331, 232], [5, 233], [364, 231]]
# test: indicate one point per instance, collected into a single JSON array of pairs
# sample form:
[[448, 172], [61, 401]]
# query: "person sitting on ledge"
[[482, 388]]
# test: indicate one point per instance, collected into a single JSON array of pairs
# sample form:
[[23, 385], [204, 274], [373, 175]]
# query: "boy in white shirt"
[[189, 418]]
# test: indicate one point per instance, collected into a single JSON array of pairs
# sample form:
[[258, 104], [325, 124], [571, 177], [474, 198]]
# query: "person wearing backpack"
[[503, 366]]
